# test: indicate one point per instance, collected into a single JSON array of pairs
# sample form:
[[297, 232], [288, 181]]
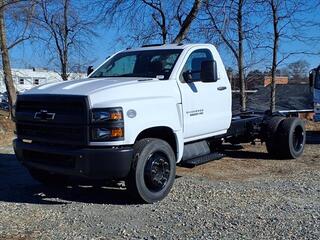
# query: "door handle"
[[222, 88]]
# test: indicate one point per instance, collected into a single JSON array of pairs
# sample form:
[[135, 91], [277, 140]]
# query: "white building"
[[25, 79]]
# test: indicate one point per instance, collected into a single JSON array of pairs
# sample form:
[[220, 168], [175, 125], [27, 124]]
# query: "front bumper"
[[92, 163]]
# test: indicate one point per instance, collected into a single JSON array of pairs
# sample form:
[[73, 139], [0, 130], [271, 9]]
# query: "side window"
[[193, 64]]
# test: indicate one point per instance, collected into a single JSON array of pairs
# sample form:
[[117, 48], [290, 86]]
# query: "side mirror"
[[209, 72], [89, 70], [311, 78], [187, 76]]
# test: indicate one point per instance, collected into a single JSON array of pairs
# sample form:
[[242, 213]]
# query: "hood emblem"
[[43, 115]]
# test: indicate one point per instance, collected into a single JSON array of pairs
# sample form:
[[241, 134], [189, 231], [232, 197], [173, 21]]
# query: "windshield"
[[317, 79], [148, 63]]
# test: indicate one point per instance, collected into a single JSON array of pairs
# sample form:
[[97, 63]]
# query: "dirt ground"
[[6, 129], [312, 126], [252, 162]]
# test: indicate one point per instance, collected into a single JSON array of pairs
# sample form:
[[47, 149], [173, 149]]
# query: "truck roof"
[[168, 46]]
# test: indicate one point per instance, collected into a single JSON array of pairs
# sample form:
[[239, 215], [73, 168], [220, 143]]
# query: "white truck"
[[137, 116]]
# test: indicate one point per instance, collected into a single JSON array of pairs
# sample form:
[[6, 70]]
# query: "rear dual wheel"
[[272, 142], [153, 171], [287, 137]]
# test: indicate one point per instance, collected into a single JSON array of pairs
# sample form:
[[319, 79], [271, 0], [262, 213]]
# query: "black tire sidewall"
[[272, 141], [296, 123], [154, 145], [286, 131]]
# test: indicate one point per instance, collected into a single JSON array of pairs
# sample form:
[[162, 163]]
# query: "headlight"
[[106, 114], [107, 124], [101, 134]]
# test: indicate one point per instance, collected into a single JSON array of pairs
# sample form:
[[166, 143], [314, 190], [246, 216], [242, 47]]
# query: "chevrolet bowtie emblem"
[[43, 115]]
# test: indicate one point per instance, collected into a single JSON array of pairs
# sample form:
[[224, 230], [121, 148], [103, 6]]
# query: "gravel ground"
[[243, 196]]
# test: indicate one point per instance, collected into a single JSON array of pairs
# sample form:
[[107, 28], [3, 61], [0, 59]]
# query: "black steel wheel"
[[153, 171], [157, 171], [298, 138]]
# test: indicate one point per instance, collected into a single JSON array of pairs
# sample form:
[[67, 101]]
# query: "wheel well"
[[164, 133]]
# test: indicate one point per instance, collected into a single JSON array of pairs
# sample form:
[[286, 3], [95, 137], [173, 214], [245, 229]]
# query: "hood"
[[86, 86], [104, 92]]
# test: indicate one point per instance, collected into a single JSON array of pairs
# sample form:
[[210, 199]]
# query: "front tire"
[[153, 171]]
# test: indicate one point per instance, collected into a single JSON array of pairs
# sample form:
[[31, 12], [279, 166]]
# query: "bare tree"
[[159, 20], [185, 25], [298, 71], [284, 26], [25, 8], [63, 29], [274, 4], [228, 20], [152, 20], [6, 60]]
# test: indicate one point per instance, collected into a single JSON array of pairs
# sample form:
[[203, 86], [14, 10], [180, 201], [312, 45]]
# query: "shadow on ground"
[[248, 155], [313, 137], [16, 185]]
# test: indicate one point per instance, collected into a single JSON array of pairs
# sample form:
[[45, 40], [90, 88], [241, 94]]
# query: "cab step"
[[193, 162]]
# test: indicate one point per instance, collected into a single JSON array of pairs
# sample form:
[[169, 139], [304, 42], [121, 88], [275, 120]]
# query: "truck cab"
[[180, 96]]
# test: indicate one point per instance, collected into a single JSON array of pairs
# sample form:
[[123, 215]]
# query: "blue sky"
[[33, 55]]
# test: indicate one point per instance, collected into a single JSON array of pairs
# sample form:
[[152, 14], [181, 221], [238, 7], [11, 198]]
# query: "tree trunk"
[[243, 97], [162, 23], [274, 56], [164, 33], [64, 71], [12, 95], [64, 63], [187, 22]]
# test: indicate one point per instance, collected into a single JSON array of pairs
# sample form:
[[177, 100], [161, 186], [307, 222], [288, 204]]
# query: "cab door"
[[206, 105]]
